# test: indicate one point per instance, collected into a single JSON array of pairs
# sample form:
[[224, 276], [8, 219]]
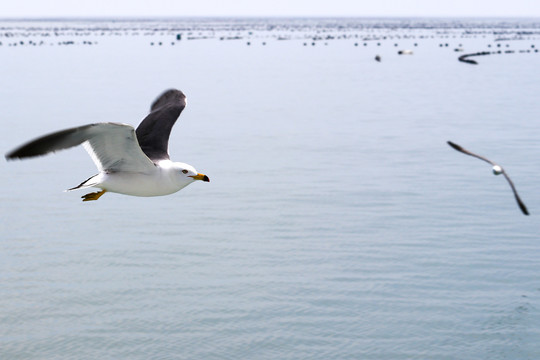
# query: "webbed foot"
[[93, 196]]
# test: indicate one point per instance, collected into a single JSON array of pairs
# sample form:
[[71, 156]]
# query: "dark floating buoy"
[[248, 43], [378, 58], [179, 37]]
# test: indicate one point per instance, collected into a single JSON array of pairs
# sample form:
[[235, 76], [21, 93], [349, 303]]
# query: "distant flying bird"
[[129, 162], [497, 170]]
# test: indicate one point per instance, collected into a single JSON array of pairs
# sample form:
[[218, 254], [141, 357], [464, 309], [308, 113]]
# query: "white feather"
[[114, 147]]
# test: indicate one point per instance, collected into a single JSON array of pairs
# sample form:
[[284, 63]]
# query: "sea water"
[[338, 224]]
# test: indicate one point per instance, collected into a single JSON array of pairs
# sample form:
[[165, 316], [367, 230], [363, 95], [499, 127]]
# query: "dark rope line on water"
[[465, 58]]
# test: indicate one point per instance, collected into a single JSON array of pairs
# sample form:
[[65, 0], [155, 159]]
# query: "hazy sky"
[[151, 8]]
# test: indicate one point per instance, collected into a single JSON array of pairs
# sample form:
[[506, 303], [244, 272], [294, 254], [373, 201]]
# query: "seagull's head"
[[497, 170], [187, 173]]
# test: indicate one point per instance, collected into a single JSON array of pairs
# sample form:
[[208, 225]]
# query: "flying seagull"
[[497, 170], [130, 162]]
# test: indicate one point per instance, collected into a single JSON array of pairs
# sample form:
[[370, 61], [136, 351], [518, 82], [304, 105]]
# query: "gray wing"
[[461, 149], [521, 204], [112, 146], [154, 131]]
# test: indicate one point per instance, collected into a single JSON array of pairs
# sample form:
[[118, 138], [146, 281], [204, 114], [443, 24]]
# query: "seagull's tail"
[[91, 181]]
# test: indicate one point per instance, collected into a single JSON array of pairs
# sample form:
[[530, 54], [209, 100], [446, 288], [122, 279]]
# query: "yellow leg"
[[93, 196]]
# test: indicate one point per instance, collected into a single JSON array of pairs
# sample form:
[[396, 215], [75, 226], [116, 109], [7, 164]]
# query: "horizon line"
[[177, 17]]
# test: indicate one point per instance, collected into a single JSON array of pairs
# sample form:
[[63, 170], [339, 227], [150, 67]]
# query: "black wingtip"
[[15, 154], [522, 206], [18, 154], [455, 146], [24, 152], [48, 143], [169, 97]]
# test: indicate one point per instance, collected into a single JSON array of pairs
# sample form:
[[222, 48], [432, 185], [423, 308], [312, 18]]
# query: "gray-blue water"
[[338, 224]]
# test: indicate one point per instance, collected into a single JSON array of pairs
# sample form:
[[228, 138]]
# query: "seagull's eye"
[[185, 171]]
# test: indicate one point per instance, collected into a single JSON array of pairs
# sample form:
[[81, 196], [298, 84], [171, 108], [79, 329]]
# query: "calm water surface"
[[337, 224]]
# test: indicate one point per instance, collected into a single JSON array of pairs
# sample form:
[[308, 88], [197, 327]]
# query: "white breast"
[[141, 184]]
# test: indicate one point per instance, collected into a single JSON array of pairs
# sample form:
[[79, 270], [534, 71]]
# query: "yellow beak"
[[200, 177]]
